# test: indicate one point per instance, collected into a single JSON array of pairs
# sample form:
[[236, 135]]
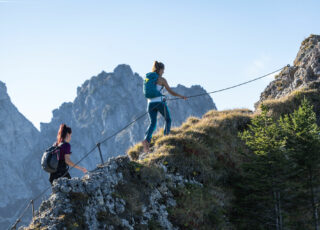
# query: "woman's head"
[[64, 134], [158, 67]]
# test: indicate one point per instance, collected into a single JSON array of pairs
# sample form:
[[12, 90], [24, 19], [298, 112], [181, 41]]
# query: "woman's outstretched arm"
[[69, 162], [163, 82]]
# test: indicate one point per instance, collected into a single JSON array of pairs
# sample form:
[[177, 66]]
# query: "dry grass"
[[286, 105], [196, 137]]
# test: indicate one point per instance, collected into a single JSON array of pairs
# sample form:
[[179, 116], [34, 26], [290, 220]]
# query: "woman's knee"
[[153, 123]]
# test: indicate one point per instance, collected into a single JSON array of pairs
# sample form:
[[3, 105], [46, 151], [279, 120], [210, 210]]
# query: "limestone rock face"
[[107, 198], [19, 169], [305, 73]]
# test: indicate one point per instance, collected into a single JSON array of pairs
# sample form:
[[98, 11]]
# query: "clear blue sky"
[[54, 46]]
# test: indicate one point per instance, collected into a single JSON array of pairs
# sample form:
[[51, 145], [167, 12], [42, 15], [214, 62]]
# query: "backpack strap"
[[161, 85], [59, 146]]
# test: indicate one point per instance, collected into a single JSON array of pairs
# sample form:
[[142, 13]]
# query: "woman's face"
[[68, 137]]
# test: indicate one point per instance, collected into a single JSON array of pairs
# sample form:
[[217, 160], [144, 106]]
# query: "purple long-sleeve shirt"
[[65, 148]]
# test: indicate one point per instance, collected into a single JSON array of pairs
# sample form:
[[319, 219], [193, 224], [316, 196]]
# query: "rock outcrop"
[[305, 72], [100, 200]]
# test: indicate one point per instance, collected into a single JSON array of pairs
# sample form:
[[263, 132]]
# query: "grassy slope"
[[206, 150], [210, 151]]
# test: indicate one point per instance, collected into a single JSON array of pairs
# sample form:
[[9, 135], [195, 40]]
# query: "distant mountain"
[[19, 171]]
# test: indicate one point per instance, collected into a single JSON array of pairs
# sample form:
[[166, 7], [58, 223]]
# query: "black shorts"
[[57, 175], [62, 169]]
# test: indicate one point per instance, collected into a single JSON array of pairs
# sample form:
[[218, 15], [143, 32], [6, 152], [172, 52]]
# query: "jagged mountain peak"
[[123, 70], [3, 91], [18, 141], [121, 76], [308, 50]]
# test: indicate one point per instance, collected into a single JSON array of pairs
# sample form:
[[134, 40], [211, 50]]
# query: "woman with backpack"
[[63, 139], [152, 87]]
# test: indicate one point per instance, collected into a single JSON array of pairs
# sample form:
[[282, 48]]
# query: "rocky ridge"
[[304, 74]]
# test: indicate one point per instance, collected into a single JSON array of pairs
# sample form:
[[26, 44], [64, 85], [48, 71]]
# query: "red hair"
[[62, 133]]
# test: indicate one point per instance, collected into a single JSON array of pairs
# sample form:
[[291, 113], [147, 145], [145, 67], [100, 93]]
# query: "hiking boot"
[[146, 146]]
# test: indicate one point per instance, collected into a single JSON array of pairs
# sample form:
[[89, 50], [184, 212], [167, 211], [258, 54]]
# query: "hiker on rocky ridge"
[[63, 139], [152, 87]]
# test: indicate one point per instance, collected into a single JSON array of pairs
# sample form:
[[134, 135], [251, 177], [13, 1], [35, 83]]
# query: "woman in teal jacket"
[[153, 85]]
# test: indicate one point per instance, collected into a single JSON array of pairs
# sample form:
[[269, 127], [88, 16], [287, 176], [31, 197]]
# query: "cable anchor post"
[[32, 205], [100, 153]]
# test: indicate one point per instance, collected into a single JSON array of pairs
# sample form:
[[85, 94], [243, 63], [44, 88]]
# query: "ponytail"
[[157, 66], [62, 133]]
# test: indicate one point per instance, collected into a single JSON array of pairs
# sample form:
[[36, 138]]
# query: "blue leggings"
[[153, 109]]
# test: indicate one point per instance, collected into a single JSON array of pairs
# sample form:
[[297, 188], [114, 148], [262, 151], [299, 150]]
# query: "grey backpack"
[[50, 158]]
